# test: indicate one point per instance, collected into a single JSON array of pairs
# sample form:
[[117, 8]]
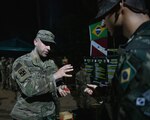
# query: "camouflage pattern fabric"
[[82, 79], [131, 84], [130, 88], [34, 78]]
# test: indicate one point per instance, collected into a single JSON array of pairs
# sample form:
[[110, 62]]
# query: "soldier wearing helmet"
[[130, 84]]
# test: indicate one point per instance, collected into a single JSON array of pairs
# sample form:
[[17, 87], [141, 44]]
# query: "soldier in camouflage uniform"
[[82, 78], [36, 75], [3, 72], [131, 83], [10, 82]]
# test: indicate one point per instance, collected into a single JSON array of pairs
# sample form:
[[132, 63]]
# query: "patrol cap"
[[105, 6], [138, 6], [46, 36]]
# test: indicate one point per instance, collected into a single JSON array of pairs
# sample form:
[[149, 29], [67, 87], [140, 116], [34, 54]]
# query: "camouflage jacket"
[[37, 86], [131, 83], [82, 79], [130, 89]]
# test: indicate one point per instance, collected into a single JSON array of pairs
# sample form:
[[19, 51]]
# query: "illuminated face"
[[42, 49]]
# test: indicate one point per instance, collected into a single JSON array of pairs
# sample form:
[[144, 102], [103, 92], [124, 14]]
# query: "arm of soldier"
[[146, 68], [90, 89], [31, 82], [88, 79], [96, 91], [62, 72]]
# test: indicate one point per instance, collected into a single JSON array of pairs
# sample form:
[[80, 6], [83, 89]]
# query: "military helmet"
[[105, 6]]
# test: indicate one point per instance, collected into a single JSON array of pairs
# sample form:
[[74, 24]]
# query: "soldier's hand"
[[62, 72], [63, 90], [90, 88]]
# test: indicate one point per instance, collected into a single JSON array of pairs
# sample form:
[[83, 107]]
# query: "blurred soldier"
[[36, 75], [0, 70], [82, 79], [131, 82], [3, 72], [11, 83], [64, 60]]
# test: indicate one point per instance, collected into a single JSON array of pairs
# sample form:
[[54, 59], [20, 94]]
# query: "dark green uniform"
[[131, 83], [82, 78]]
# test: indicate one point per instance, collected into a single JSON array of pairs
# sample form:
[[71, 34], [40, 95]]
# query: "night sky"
[[67, 19]]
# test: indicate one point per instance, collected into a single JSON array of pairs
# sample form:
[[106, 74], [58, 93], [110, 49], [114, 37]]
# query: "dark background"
[[67, 19]]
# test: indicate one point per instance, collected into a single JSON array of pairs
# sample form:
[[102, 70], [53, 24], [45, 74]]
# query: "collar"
[[37, 61], [144, 26], [35, 57], [141, 28]]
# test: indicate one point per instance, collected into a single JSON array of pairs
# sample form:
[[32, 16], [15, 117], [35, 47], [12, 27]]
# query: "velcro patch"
[[127, 74], [22, 72]]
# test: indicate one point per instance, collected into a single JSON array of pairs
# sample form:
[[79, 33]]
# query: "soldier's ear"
[[35, 41], [121, 7]]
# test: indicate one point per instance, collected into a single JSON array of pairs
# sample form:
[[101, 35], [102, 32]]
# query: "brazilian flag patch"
[[127, 74]]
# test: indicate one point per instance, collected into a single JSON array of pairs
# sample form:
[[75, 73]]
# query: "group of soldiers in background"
[[6, 81]]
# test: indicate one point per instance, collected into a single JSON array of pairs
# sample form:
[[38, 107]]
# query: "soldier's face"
[[112, 20], [42, 49], [109, 22]]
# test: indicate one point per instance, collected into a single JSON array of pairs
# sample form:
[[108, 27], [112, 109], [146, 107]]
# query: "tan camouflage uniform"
[[37, 87]]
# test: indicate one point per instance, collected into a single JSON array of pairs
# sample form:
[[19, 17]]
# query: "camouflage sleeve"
[[78, 78], [143, 74], [88, 78], [32, 82]]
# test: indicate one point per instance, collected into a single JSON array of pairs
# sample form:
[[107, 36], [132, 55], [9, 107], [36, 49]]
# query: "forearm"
[[36, 85]]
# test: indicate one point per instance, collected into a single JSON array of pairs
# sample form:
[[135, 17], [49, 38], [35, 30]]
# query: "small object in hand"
[[66, 89]]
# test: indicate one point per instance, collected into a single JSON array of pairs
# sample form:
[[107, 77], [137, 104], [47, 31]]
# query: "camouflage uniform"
[[130, 93], [82, 78], [131, 81], [3, 72], [37, 88], [10, 82]]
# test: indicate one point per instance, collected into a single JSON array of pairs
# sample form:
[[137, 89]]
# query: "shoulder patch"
[[17, 66], [127, 74], [22, 72]]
